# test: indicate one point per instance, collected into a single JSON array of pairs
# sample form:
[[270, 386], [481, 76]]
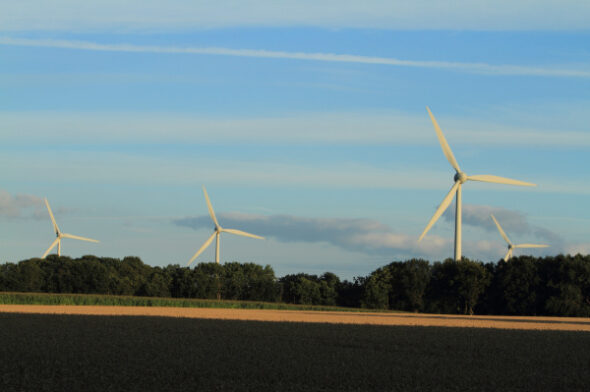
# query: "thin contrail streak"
[[479, 68]]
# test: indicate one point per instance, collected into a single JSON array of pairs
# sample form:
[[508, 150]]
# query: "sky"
[[306, 121]]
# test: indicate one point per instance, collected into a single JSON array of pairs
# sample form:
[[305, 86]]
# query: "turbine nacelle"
[[461, 177]]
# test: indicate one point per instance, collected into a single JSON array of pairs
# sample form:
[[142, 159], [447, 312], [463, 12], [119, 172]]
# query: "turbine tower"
[[460, 178], [511, 247], [60, 235], [217, 233]]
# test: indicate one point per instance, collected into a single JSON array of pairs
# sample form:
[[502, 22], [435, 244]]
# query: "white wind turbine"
[[459, 179], [511, 247], [217, 233], [60, 235]]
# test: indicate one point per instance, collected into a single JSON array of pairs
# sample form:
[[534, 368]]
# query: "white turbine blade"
[[443, 143], [52, 217], [441, 208], [242, 233], [210, 207], [75, 237], [205, 245], [531, 246], [499, 180], [50, 247], [508, 255], [500, 230]]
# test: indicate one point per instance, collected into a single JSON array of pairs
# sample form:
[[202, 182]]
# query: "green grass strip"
[[11, 298]]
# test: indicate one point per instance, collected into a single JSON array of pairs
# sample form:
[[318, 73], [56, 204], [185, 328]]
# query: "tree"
[[517, 282], [377, 289], [350, 293], [301, 289], [408, 286], [456, 286], [157, 284], [569, 285]]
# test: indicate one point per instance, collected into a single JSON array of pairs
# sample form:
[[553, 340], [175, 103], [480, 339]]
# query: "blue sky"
[[306, 122]]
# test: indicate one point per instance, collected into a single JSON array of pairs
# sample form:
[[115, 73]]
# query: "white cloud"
[[362, 236], [358, 235], [479, 216], [363, 128], [581, 248], [186, 15], [478, 68], [514, 223], [21, 206]]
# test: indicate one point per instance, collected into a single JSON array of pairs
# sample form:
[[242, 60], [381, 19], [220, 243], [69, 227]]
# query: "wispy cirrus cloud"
[[187, 15], [477, 68], [360, 128]]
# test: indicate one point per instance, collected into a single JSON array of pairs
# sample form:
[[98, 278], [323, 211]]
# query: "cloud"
[[581, 248], [477, 68], [514, 224], [479, 216], [360, 128], [189, 15], [21, 206], [357, 235]]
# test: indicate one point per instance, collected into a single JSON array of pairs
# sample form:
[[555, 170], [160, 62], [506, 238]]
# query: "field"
[[14, 298], [43, 352]]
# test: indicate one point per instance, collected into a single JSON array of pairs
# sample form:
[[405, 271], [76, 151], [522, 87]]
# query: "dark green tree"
[[456, 286]]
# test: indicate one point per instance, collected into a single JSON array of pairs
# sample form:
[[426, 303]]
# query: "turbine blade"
[[441, 208], [531, 246], [508, 255], [499, 180], [205, 245], [75, 237], [443, 143], [52, 217], [242, 233], [210, 207], [50, 247], [500, 230]]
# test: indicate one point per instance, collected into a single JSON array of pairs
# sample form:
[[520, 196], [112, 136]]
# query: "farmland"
[[8, 298], [133, 353]]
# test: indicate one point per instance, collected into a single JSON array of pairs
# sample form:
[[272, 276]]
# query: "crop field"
[[16, 298], [42, 352]]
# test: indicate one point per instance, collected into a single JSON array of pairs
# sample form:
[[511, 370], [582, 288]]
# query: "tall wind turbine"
[[459, 178], [511, 247], [60, 235], [217, 233]]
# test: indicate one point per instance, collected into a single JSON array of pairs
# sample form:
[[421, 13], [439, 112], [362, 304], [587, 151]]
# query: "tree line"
[[553, 286]]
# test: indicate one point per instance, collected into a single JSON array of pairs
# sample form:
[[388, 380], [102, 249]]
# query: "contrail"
[[478, 68]]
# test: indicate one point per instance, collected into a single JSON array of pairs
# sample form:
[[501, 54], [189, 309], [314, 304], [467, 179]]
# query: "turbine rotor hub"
[[461, 177]]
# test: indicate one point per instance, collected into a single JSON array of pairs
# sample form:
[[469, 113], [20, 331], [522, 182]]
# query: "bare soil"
[[398, 319]]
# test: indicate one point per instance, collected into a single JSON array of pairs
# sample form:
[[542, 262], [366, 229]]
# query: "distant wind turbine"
[[459, 179], [217, 233], [60, 235], [511, 247]]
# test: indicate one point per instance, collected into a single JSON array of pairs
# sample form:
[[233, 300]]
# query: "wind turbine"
[[60, 235], [217, 233], [511, 247], [459, 179]]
